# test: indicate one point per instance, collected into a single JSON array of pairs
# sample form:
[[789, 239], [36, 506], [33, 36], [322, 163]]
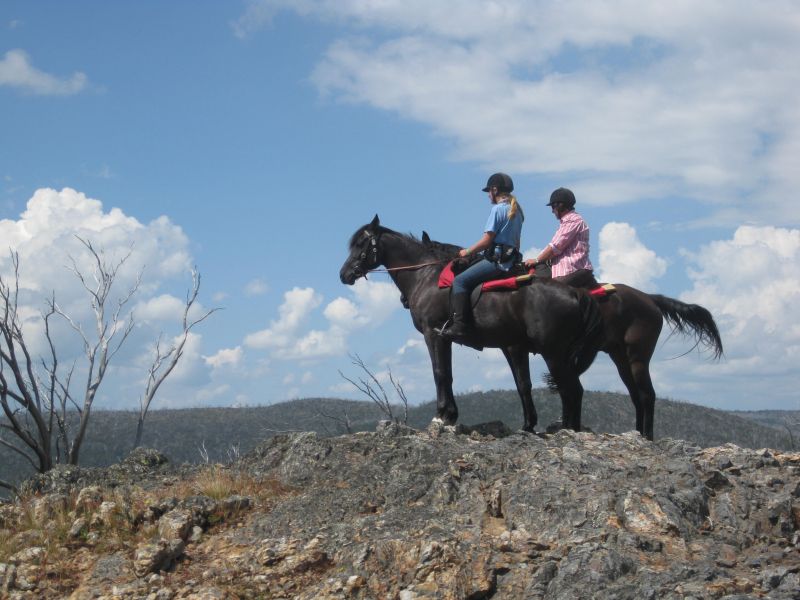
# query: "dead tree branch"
[[374, 390], [166, 360], [35, 395]]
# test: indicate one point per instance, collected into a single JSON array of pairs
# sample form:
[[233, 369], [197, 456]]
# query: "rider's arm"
[[567, 230], [482, 244], [544, 255]]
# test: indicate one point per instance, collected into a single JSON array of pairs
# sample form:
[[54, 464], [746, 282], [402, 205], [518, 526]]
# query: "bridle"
[[370, 251]]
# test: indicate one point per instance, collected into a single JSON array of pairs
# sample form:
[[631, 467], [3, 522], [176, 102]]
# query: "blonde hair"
[[512, 200]]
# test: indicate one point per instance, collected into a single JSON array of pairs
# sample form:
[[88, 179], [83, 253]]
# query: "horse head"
[[364, 253]]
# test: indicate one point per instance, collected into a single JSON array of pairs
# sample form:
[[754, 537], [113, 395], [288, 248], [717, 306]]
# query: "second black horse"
[[632, 322]]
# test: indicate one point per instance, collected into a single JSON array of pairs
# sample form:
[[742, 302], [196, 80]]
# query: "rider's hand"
[[463, 252], [530, 263]]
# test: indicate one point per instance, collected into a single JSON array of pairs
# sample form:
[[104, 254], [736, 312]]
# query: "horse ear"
[[426, 239], [375, 222]]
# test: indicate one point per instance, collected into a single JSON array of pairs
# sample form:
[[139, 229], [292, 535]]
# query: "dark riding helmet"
[[501, 181], [562, 196]]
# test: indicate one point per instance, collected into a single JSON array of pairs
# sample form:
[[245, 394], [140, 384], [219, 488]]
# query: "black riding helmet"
[[501, 181], [562, 196]]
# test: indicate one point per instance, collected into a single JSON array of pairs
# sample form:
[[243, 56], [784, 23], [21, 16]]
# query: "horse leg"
[[634, 370], [441, 352], [620, 359], [647, 397], [571, 392], [517, 357]]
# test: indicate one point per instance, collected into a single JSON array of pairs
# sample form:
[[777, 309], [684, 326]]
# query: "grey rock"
[[110, 568], [176, 524], [8, 577], [79, 527], [29, 556], [235, 503], [157, 557], [456, 512]]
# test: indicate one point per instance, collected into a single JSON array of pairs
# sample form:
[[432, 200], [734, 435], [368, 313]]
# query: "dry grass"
[[219, 482], [123, 523]]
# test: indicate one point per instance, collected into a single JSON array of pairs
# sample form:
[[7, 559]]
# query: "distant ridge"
[[184, 434]]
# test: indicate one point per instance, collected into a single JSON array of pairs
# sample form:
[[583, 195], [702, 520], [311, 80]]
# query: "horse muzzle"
[[349, 276]]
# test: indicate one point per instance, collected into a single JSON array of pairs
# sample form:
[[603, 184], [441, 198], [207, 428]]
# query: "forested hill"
[[191, 435]]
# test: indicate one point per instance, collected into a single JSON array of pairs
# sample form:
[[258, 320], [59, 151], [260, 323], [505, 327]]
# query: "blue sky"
[[252, 138]]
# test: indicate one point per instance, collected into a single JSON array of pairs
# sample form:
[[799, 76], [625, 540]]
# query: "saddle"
[[520, 276]]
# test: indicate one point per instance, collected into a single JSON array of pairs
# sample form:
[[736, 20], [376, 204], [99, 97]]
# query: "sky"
[[250, 139]]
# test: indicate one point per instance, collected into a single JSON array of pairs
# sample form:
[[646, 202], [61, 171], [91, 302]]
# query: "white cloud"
[[45, 238], [624, 258], [160, 308], [374, 303], [225, 356], [17, 71], [297, 306], [193, 367], [632, 100], [755, 276], [751, 285], [286, 337], [256, 287]]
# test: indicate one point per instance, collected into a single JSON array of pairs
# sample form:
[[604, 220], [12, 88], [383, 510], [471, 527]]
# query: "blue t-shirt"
[[506, 231]]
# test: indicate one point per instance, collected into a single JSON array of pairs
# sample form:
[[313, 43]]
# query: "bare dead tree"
[[374, 390], [789, 427], [20, 398], [204, 456], [234, 452], [166, 361], [344, 420], [36, 397], [101, 347]]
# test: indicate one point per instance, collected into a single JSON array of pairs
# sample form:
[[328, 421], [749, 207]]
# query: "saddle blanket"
[[508, 283], [513, 283]]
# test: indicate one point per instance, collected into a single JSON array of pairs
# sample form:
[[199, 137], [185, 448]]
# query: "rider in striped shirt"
[[569, 248]]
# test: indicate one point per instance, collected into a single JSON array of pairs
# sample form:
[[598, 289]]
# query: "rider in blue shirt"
[[499, 243]]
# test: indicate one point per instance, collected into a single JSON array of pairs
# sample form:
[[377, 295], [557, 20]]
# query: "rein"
[[409, 267]]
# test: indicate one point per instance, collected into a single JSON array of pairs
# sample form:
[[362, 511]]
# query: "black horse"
[[561, 323], [632, 322]]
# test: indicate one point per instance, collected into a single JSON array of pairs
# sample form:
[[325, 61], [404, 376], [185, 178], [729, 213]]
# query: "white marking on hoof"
[[437, 421]]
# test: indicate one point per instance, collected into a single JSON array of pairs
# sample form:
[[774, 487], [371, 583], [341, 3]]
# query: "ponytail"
[[512, 200]]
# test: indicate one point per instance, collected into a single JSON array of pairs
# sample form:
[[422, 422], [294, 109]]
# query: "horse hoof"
[[555, 427], [437, 421]]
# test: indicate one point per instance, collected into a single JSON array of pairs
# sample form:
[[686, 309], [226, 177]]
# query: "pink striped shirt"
[[570, 245]]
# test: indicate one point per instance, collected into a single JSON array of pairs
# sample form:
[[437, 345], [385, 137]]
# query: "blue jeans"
[[481, 271]]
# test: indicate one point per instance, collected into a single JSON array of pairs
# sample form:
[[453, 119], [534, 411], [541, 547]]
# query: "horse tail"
[[690, 318], [588, 344]]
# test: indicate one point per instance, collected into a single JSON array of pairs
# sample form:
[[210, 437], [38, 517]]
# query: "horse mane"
[[441, 249], [356, 237]]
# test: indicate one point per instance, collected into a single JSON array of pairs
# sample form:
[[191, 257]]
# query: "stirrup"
[[443, 329], [460, 337]]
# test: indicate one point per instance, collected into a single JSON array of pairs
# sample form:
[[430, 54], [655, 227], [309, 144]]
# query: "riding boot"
[[460, 327]]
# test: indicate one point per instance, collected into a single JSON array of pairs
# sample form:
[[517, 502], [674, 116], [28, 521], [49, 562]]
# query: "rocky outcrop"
[[461, 513]]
